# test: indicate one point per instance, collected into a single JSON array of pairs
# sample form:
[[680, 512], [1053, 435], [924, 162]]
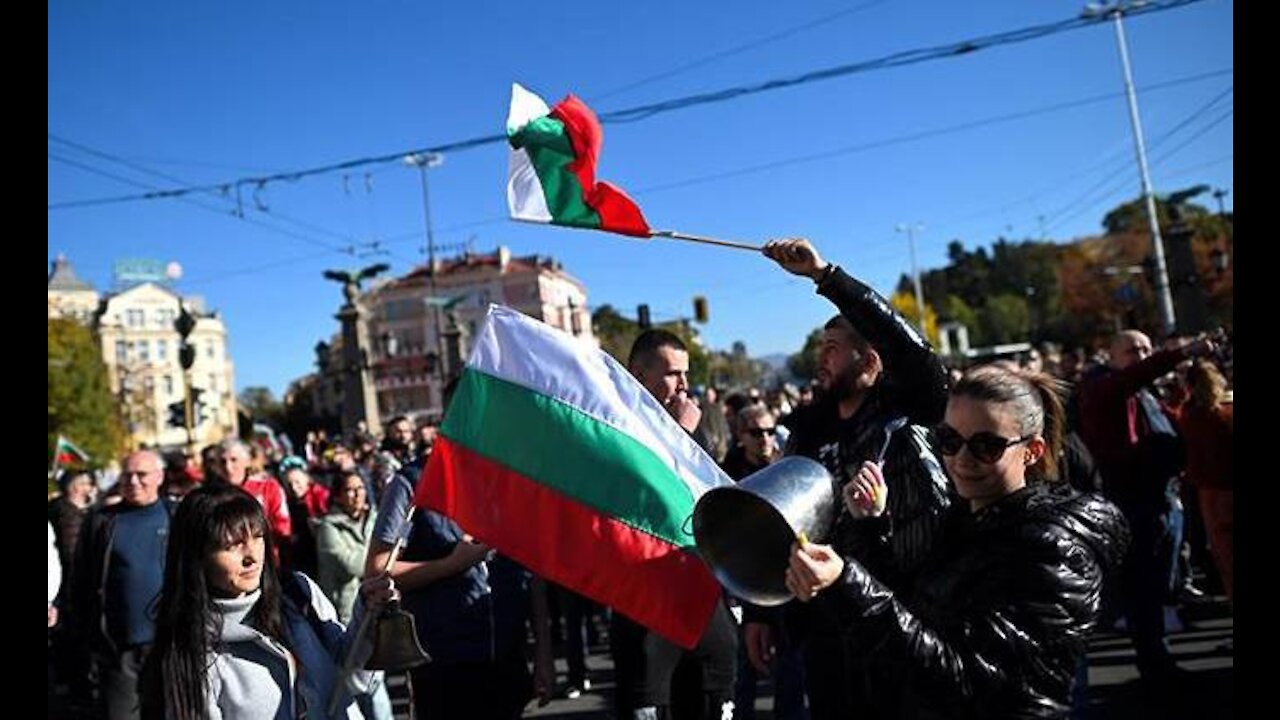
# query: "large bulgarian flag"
[[555, 455], [553, 168], [67, 453]]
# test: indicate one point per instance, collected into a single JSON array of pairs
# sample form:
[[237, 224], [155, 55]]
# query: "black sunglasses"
[[983, 446], [760, 432]]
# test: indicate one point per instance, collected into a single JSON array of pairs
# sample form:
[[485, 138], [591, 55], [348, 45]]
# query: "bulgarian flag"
[[556, 456], [66, 453], [553, 168]]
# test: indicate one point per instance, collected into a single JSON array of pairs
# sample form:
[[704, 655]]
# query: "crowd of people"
[[991, 519]]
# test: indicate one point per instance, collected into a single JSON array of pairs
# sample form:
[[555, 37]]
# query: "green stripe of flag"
[[550, 151], [558, 445]]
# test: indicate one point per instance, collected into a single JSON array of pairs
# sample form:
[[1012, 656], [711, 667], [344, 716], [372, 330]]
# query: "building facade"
[[139, 344], [418, 323]]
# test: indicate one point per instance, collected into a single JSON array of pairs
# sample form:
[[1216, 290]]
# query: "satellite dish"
[[173, 270]]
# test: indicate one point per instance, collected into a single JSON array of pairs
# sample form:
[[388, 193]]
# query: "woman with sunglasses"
[[233, 639], [998, 616]]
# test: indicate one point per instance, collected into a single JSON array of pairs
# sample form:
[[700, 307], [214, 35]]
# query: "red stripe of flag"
[[618, 212], [660, 586]]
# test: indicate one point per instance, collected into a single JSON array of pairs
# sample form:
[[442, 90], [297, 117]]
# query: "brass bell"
[[395, 641]]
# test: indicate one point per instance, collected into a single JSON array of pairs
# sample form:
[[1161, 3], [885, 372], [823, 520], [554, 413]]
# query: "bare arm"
[[411, 574]]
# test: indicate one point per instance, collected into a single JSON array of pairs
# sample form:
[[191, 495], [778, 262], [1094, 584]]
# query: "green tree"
[[955, 309], [804, 364], [81, 406], [617, 334], [1005, 319], [261, 405]]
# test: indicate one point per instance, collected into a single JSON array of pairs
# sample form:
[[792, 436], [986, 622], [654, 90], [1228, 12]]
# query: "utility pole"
[[1164, 298], [910, 229]]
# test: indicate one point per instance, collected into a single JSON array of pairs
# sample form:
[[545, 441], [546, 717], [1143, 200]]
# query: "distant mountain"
[[778, 371], [777, 361]]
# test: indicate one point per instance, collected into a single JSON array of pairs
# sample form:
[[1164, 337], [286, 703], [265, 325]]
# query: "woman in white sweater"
[[235, 641]]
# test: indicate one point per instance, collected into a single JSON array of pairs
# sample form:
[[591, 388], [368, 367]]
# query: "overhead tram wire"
[[899, 59]]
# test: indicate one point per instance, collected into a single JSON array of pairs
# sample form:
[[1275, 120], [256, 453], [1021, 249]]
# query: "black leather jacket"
[[1000, 612], [914, 385]]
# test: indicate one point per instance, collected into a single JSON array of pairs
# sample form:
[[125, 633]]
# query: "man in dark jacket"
[[119, 572], [874, 368], [1140, 456]]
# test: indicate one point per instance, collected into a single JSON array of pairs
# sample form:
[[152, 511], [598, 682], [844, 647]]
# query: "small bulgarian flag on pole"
[[554, 454], [552, 177], [67, 453]]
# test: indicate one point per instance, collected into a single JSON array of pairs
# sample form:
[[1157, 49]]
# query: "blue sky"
[[207, 93]]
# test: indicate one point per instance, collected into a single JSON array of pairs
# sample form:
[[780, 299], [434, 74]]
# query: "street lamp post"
[[1164, 298], [910, 229], [424, 162]]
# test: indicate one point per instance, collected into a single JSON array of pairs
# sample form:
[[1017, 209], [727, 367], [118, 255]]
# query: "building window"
[[135, 318], [162, 350], [168, 385], [122, 352], [208, 350], [144, 351], [213, 383]]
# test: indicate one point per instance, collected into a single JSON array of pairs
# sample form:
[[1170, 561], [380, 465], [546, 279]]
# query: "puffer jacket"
[[1000, 612]]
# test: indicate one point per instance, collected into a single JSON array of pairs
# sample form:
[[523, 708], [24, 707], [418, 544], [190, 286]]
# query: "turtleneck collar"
[[234, 611]]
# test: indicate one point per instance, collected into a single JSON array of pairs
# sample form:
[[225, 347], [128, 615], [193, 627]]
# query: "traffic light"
[[642, 316], [197, 407], [185, 324], [700, 312], [178, 414]]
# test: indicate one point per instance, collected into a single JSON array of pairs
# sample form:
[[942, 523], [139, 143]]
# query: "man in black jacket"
[[874, 368]]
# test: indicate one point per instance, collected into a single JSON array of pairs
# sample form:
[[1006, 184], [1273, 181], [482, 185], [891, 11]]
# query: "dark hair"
[[840, 322], [188, 624], [1036, 399], [646, 346], [64, 480]]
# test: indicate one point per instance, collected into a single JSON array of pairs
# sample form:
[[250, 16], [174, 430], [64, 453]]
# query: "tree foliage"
[[81, 405], [617, 334], [261, 405], [804, 364], [905, 303]]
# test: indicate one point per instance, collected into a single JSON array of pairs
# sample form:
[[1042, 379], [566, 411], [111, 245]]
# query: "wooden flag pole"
[[672, 234], [669, 234]]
